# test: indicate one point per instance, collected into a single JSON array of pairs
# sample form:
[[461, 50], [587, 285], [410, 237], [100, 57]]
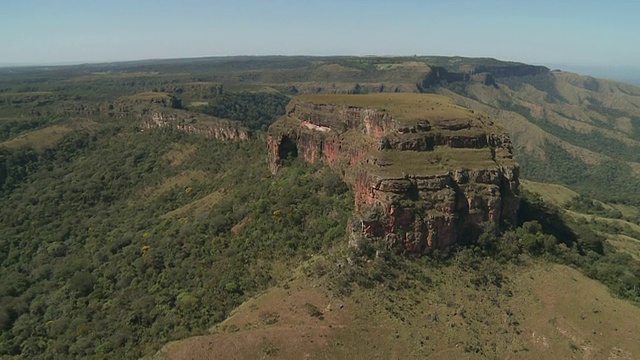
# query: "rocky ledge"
[[193, 123], [426, 173], [160, 110]]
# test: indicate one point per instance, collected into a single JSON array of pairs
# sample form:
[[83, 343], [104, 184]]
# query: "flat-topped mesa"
[[426, 173]]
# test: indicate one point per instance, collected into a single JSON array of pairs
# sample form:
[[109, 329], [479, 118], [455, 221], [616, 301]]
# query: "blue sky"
[[583, 33]]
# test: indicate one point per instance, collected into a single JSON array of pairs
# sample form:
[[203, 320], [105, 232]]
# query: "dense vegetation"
[[255, 110], [113, 241], [13, 128], [612, 181], [544, 232], [95, 263]]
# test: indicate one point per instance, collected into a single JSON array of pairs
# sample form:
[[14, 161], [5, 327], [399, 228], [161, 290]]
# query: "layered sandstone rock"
[[158, 110], [196, 124], [426, 173]]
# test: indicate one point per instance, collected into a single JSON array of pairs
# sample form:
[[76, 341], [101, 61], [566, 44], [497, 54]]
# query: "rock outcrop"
[[195, 124], [160, 110], [153, 110], [426, 173]]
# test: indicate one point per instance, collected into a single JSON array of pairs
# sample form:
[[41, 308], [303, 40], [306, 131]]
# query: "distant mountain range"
[[624, 73], [628, 74]]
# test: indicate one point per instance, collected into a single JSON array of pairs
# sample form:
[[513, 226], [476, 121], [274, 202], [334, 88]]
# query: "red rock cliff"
[[425, 172]]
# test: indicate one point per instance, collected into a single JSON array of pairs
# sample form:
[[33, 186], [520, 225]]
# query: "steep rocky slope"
[[426, 173]]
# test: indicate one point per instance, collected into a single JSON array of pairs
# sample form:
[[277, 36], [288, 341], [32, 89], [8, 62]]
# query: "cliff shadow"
[[468, 232], [550, 219], [287, 150]]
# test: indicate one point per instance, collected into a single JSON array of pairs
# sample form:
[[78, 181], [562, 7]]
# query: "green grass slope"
[[617, 223], [568, 129]]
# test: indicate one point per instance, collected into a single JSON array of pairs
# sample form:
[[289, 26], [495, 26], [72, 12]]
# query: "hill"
[[566, 128], [112, 245], [425, 173], [139, 209], [526, 312]]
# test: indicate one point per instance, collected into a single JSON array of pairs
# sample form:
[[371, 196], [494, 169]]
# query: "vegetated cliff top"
[[405, 108], [394, 163], [424, 171], [410, 133]]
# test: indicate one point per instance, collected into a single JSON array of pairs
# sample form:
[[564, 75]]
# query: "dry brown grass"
[[618, 222], [123, 75], [26, 93], [626, 244], [202, 83], [627, 210], [440, 160], [402, 106], [148, 96], [336, 68], [572, 316], [551, 193], [181, 180], [541, 311], [196, 207], [412, 66], [179, 154], [275, 324], [198, 103], [38, 139]]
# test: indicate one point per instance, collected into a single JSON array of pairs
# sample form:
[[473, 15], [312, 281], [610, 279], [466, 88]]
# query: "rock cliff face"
[[194, 124], [157, 110], [163, 111], [426, 173]]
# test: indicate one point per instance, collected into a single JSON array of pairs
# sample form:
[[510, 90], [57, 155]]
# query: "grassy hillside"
[[617, 223], [568, 129], [440, 311], [115, 241]]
